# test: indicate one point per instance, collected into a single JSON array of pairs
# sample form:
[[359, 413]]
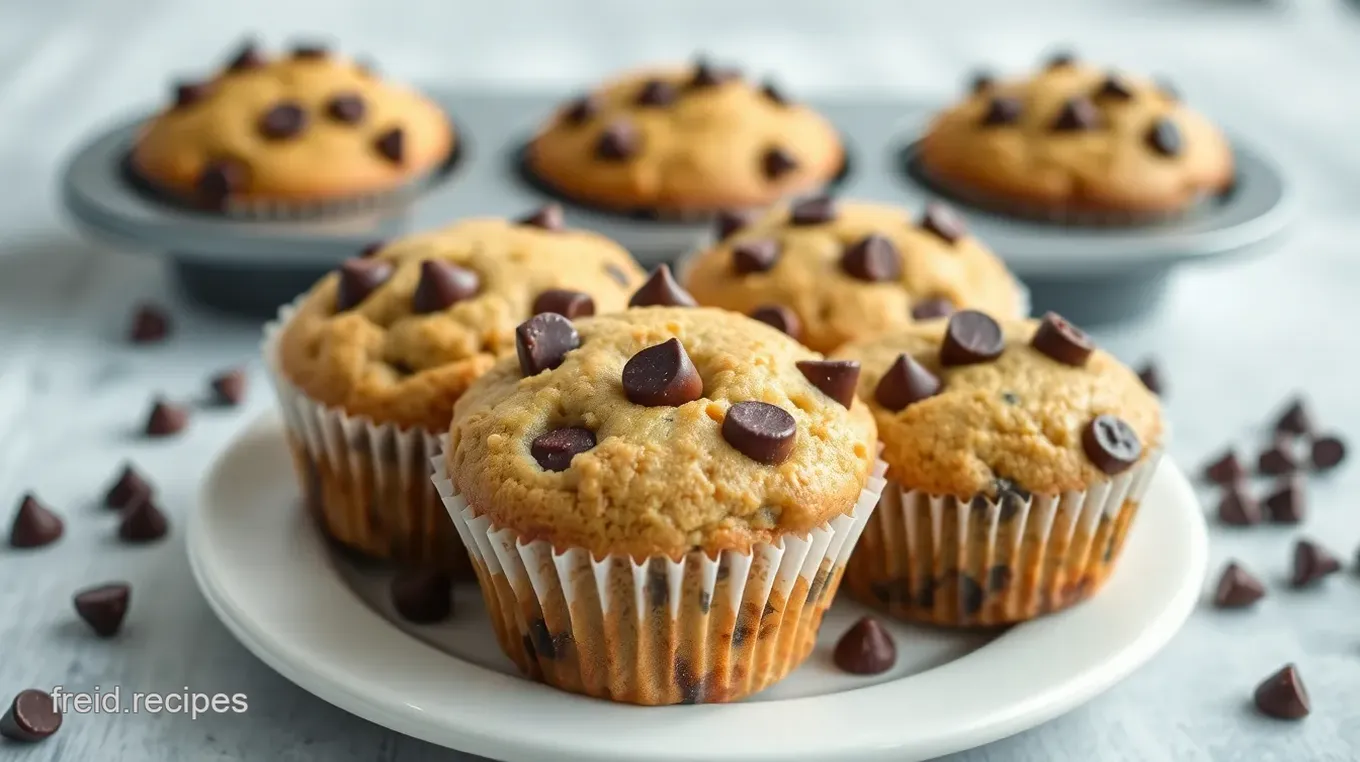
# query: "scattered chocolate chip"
[[346, 108], [944, 222], [1164, 137], [661, 290], [104, 607], [129, 486], [971, 337], [755, 256], [150, 324], [780, 317], [906, 382], [619, 141], [772, 92], [359, 278], [1062, 341], [442, 285], [873, 258], [1237, 588], [866, 649], [247, 57], [581, 109], [813, 211], [1113, 88], [229, 387], [1287, 504], [309, 50], [371, 249], [1237, 507], [35, 525], [1151, 376], [422, 596], [543, 341], [189, 93], [777, 162], [547, 217], [1282, 695], [1277, 460], [1002, 110], [392, 145], [657, 92], [1327, 452], [708, 75], [219, 180], [282, 120], [166, 418], [1060, 59], [1077, 114], [980, 82], [836, 378], [760, 431], [569, 304], [142, 521], [662, 375], [1111, 444], [1295, 419], [931, 308], [32, 717], [614, 271], [728, 222], [554, 449], [1312, 562], [1227, 469]]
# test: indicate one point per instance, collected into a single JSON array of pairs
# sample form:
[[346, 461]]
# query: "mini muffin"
[[682, 142], [659, 503], [369, 364], [302, 132], [1076, 143], [829, 272], [1017, 453]]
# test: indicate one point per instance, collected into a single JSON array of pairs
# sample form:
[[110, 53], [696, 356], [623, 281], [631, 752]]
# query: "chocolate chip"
[[657, 92], [662, 375], [728, 222], [971, 338], [1061, 58], [708, 75], [1113, 88], [1287, 504], [813, 211], [1312, 562], [931, 308], [104, 607], [1282, 695], [581, 109], [228, 387], [422, 596], [33, 716], [760, 431], [1111, 444], [554, 449], [1295, 419], [1237, 588], [780, 317], [872, 258], [442, 285], [1151, 376], [1226, 469], [836, 378], [1278, 459], [1327, 452], [392, 145], [1062, 341], [1002, 110], [346, 108], [1237, 507], [247, 57], [1077, 114], [282, 120], [980, 82], [189, 93], [35, 525], [944, 222], [777, 162], [906, 382], [547, 217], [543, 341], [150, 324], [166, 419], [866, 649], [129, 486], [618, 141], [1164, 137], [142, 521], [220, 179], [971, 596], [772, 92], [359, 278], [755, 256], [1010, 398], [661, 290], [614, 271], [569, 304], [309, 51]]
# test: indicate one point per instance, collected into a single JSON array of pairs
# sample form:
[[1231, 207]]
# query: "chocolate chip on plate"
[[391, 145], [931, 308], [873, 258], [1295, 419], [189, 93], [813, 211], [1062, 341], [150, 323], [554, 449], [1278, 459], [727, 222], [282, 121], [866, 649], [1312, 562], [657, 92], [228, 387], [1237, 588], [1111, 444], [581, 109], [1113, 88], [547, 217], [1077, 114], [1287, 504], [104, 607], [836, 379], [754, 256], [166, 418], [760, 431], [442, 284], [1002, 110], [772, 93], [1327, 452], [1237, 507], [543, 341], [1226, 469], [129, 486], [661, 290], [359, 278], [618, 141], [247, 57], [346, 108], [777, 162], [422, 596], [943, 222], [1164, 137], [970, 338], [660, 375], [779, 317], [35, 525], [1151, 376], [565, 302], [906, 382], [1282, 695], [33, 716], [142, 521]]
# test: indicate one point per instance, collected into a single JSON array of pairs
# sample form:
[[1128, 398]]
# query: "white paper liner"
[[985, 562], [699, 630]]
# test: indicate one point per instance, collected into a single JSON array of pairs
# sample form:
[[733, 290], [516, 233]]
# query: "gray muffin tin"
[[1092, 275]]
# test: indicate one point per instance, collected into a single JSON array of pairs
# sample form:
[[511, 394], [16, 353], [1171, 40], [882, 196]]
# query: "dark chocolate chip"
[[1113, 88], [346, 108], [691, 684], [554, 449], [358, 279], [1327, 452], [866, 649], [1237, 507], [166, 418], [142, 521], [33, 716], [543, 341], [971, 338], [971, 596], [1151, 376], [755, 256], [35, 525], [618, 141], [657, 92], [1278, 459], [309, 51], [542, 639], [220, 179], [1237, 588], [658, 587], [1077, 114], [893, 592], [906, 382], [780, 317], [189, 93], [872, 258], [1062, 341], [1226, 469], [662, 375], [708, 75], [1060, 59], [661, 290], [247, 57], [392, 145], [836, 378], [1287, 504], [728, 222], [760, 431], [1295, 419], [980, 82], [129, 486], [1011, 496], [1282, 695], [777, 162], [1111, 444], [422, 596], [614, 271], [442, 285], [813, 211], [772, 92], [228, 387], [581, 109], [1312, 562], [548, 217], [104, 607], [1002, 110], [944, 222], [569, 304], [931, 308], [282, 121], [1164, 137], [150, 323]]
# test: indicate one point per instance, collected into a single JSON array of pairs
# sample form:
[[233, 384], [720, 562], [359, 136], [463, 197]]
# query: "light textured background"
[[1234, 339]]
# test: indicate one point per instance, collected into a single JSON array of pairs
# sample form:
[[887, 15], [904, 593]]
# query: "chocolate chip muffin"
[[683, 142], [1076, 143], [369, 364], [829, 272], [682, 485], [300, 132], [1018, 454]]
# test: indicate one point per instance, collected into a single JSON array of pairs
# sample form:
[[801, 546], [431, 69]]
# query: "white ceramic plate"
[[322, 623]]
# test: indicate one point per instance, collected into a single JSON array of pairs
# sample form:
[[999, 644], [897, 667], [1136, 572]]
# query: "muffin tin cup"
[[366, 484], [659, 631], [984, 562]]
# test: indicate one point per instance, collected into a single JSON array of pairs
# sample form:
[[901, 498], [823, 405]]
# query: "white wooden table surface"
[[1234, 339]]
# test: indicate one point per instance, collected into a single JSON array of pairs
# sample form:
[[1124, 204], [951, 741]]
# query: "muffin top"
[[828, 272], [661, 430], [1078, 137], [308, 126], [685, 140], [969, 406], [398, 335]]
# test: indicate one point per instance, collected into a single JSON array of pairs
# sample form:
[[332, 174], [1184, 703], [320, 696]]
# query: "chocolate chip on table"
[[165, 419], [581, 109], [442, 284], [543, 341], [547, 217], [1237, 588], [1226, 469], [1002, 110], [33, 716], [219, 179], [104, 607], [779, 317], [1282, 695], [1312, 562], [931, 308], [228, 387], [359, 278], [661, 290], [1062, 341], [873, 258], [657, 92], [760, 431], [309, 50], [813, 211], [1111, 444], [35, 525], [1327, 452], [777, 162], [971, 337], [866, 649], [150, 323], [129, 486], [1295, 419], [1113, 88], [1278, 459], [1077, 114], [1060, 59], [619, 141], [346, 108], [565, 302], [554, 449], [1164, 137], [142, 521], [422, 596], [906, 382], [391, 145], [189, 93], [247, 57], [282, 121], [1237, 507], [727, 222], [755, 256], [836, 379], [943, 222], [1287, 504], [662, 375], [772, 93], [1151, 376], [980, 82]]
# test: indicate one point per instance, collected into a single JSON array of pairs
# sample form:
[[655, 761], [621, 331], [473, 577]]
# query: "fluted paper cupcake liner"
[[659, 631], [986, 562]]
